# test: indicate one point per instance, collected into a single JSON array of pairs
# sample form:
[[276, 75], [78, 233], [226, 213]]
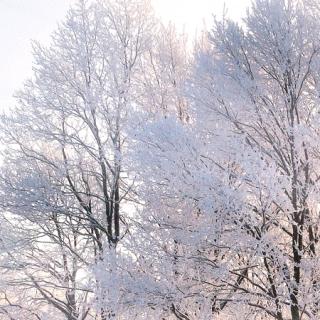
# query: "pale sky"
[[23, 20]]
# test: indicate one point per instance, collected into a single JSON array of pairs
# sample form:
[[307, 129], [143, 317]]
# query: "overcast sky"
[[23, 20]]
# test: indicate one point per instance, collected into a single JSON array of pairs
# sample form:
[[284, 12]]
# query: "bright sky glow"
[[23, 20]]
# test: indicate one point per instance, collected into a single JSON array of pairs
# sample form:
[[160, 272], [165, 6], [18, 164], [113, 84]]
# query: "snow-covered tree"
[[63, 173], [238, 188], [165, 72], [138, 183]]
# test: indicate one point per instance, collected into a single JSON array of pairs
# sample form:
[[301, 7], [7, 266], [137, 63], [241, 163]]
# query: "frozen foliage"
[[234, 195], [141, 183]]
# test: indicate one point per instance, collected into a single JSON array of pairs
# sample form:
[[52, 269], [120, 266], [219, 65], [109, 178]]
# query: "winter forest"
[[144, 176]]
